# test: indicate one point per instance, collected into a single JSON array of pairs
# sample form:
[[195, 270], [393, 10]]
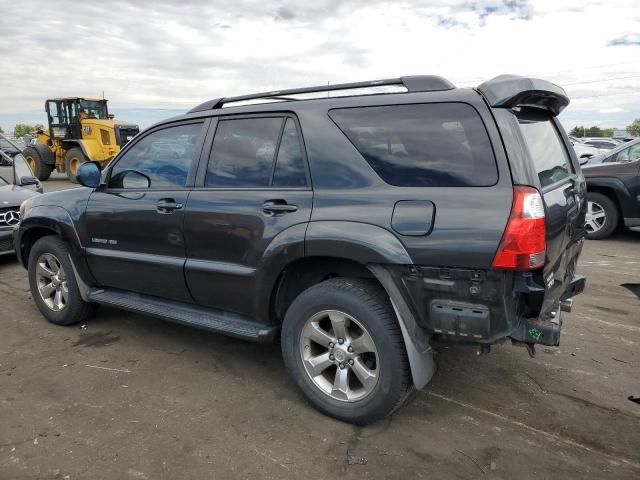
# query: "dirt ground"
[[128, 396]]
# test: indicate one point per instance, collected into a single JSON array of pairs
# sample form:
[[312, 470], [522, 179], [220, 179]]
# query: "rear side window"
[[546, 149], [290, 166], [244, 154], [422, 145]]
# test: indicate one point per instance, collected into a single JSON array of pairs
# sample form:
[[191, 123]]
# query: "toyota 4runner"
[[353, 228]]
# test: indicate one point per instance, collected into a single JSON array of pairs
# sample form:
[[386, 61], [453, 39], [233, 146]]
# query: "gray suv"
[[350, 224]]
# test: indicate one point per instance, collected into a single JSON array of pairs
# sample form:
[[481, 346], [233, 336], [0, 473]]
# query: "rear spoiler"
[[508, 91]]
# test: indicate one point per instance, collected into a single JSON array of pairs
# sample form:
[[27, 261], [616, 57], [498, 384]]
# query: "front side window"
[[546, 149], [161, 159], [422, 145], [630, 154]]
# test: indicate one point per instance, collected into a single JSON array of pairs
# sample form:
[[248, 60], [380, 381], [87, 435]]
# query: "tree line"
[[581, 131]]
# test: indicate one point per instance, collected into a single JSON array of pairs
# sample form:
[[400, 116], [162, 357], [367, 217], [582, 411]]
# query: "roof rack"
[[415, 83]]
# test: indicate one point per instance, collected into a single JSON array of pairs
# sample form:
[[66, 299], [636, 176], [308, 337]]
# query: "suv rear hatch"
[[540, 156]]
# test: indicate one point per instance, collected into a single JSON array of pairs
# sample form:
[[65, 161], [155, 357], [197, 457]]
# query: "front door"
[[254, 187], [134, 221]]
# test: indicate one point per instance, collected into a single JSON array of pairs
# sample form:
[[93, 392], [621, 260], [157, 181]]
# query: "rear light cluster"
[[524, 241]]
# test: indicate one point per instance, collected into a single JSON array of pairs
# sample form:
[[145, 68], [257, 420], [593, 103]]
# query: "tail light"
[[524, 240]]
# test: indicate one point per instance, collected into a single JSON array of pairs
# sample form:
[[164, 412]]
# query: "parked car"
[[353, 229], [621, 153], [17, 184], [585, 152], [10, 149], [613, 192], [603, 143]]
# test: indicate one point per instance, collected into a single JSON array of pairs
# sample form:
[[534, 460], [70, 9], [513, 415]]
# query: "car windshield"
[[94, 109], [622, 147], [22, 169], [6, 146]]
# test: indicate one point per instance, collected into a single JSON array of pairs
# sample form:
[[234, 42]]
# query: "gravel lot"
[[133, 397]]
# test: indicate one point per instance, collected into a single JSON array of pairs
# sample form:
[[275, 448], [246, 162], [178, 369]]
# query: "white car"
[[585, 152]]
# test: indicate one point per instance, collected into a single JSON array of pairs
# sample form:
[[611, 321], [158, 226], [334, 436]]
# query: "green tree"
[[22, 129], [607, 132], [634, 128], [577, 132]]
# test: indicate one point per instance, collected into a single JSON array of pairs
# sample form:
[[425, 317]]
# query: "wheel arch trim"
[[419, 350]]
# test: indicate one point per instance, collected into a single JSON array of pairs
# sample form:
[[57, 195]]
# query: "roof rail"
[[415, 83]]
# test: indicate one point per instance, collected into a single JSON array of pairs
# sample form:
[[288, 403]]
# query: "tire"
[[48, 251], [360, 303], [72, 160], [40, 161], [602, 216]]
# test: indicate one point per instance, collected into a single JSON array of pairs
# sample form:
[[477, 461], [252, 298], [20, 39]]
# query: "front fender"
[[58, 221], [620, 190], [361, 242]]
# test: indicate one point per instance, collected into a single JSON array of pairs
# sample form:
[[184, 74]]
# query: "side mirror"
[[584, 160], [89, 175], [24, 181]]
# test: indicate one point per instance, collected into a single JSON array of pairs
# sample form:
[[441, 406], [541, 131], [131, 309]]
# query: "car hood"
[[12, 195]]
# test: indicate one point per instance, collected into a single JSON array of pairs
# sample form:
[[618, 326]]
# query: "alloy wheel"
[[339, 355], [595, 217], [51, 280]]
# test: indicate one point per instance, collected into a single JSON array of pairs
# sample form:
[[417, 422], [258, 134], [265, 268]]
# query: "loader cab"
[[65, 115]]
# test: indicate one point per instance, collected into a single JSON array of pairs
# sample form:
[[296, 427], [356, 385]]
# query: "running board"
[[216, 321]]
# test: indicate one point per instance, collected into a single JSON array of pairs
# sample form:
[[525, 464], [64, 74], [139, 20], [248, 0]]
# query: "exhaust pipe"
[[566, 305]]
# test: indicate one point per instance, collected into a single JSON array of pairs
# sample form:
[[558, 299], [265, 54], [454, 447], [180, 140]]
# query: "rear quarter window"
[[422, 145]]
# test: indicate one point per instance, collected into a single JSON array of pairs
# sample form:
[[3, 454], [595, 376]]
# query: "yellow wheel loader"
[[80, 130]]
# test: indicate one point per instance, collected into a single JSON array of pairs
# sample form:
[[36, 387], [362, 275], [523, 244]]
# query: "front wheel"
[[72, 161], [602, 216], [53, 284], [40, 161], [342, 345]]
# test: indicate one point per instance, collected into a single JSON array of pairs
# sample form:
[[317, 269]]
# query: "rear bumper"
[[485, 306]]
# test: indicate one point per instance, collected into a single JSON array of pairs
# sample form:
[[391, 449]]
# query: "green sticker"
[[535, 334]]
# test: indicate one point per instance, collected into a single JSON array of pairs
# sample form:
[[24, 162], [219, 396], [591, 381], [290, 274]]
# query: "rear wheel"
[[53, 284], [342, 345], [35, 158], [602, 216], [72, 161]]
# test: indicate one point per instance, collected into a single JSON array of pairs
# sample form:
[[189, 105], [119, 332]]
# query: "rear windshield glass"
[[421, 145], [546, 149]]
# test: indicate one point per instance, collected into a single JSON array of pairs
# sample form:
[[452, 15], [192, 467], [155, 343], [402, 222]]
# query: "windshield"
[[549, 155], [94, 109], [22, 169], [7, 147]]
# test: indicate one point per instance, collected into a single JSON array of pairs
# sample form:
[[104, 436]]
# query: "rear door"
[[563, 189], [253, 186]]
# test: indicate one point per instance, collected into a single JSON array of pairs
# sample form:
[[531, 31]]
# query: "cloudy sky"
[[152, 57]]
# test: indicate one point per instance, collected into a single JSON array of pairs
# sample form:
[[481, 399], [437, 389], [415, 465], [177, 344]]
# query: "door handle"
[[276, 207], [167, 205]]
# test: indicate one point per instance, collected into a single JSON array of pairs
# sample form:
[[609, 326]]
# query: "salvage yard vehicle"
[[613, 191], [17, 184], [354, 228], [80, 130]]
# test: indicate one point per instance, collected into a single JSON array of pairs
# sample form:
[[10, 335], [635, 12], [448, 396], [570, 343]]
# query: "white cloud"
[[158, 53]]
